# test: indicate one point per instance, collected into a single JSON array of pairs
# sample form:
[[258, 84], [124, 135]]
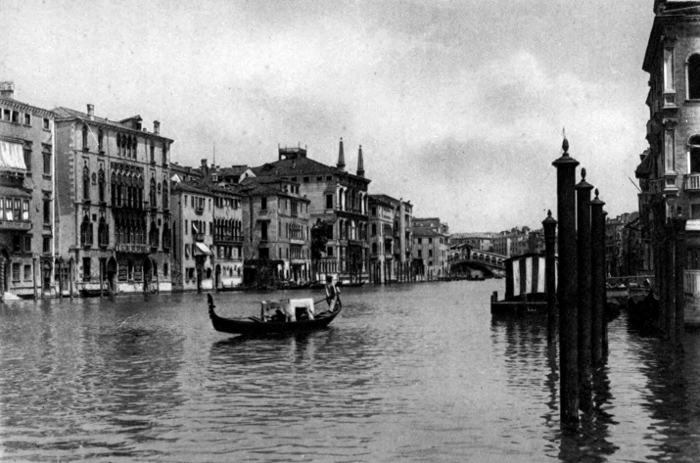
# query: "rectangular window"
[[669, 149], [8, 209], [7, 115], [27, 119], [668, 69], [25, 209], [263, 203], [27, 272], [329, 201], [18, 209], [186, 227], [86, 268], [15, 271], [47, 211], [47, 163], [47, 124], [46, 245], [28, 160], [15, 117], [28, 243]]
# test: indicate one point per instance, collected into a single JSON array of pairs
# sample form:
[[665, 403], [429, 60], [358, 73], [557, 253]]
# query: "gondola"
[[255, 326]]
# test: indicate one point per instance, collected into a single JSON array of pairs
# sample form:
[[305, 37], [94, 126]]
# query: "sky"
[[459, 105]]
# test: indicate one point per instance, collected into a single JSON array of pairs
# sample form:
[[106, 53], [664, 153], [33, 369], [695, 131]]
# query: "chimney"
[[341, 156], [360, 163], [7, 89], [91, 111], [156, 127], [205, 169]]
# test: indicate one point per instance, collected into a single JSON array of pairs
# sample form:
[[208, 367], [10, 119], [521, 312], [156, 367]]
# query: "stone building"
[[228, 237], [390, 238], [27, 197], [669, 171], [193, 219], [277, 232], [113, 187], [338, 203], [430, 247]]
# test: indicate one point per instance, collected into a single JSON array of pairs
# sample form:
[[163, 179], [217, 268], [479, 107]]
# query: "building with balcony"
[[27, 197], [277, 232], [113, 183], [337, 204], [193, 237], [390, 238], [430, 247], [669, 171], [227, 242]]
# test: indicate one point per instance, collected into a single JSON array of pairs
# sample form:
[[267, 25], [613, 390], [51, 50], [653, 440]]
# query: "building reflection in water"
[[529, 359], [89, 378]]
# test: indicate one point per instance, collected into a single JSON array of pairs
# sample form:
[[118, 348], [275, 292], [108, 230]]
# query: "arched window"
[[166, 236], [152, 193], [165, 194], [103, 233], [86, 183], [154, 235], [85, 137], [86, 232], [694, 147], [694, 76], [101, 185]]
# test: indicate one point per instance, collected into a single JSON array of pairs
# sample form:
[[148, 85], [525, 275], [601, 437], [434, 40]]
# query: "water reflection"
[[529, 359]]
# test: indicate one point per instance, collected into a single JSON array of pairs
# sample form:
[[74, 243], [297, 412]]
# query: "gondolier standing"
[[332, 293]]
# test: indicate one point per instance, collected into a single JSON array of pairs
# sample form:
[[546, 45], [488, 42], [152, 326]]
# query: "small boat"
[[253, 326]]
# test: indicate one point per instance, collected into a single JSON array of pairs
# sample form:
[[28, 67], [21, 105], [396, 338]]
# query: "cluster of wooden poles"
[[580, 295]]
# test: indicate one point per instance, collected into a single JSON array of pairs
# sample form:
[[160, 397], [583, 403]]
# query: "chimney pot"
[[91, 111], [7, 89], [156, 127]]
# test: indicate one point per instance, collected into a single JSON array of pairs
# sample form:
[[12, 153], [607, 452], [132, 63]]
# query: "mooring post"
[[670, 270], [583, 261], [603, 290], [568, 313], [681, 256], [598, 297], [550, 284]]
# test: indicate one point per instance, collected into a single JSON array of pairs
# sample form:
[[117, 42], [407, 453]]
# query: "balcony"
[[199, 210], [692, 182], [133, 248], [15, 225]]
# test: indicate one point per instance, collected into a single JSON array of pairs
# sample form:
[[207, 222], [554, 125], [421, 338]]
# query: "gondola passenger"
[[332, 293]]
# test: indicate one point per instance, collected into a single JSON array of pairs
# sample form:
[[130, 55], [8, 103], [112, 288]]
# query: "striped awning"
[[12, 156]]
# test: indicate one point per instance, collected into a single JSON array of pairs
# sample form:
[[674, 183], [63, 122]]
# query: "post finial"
[[583, 174], [596, 193], [549, 213]]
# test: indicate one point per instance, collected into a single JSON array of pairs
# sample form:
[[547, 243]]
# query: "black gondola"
[[253, 326]]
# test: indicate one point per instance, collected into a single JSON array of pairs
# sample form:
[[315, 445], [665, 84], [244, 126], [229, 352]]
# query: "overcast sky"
[[459, 106]]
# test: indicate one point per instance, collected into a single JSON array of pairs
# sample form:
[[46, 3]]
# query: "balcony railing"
[[692, 182], [15, 225], [133, 248]]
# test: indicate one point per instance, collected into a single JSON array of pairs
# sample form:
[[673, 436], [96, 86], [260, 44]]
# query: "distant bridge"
[[464, 261]]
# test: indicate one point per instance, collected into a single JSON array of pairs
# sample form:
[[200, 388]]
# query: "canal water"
[[409, 373]]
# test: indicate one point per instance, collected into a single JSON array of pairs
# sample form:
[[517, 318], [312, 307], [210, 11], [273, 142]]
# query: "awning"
[[201, 249], [12, 156], [6, 191]]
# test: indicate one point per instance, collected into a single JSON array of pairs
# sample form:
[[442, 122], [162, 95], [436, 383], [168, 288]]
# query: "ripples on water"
[[406, 373]]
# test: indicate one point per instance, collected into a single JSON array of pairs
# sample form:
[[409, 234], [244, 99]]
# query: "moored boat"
[[253, 326]]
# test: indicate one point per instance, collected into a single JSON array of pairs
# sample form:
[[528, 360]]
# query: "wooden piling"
[[550, 234], [583, 261], [670, 287], [568, 313], [598, 297], [603, 291], [681, 257]]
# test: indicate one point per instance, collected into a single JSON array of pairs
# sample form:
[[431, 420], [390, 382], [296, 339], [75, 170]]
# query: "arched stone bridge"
[[465, 261]]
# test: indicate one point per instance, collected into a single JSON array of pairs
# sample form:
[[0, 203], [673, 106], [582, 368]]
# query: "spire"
[[360, 163], [341, 156]]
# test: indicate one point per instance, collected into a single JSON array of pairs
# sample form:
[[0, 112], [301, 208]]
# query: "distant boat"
[[257, 326]]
